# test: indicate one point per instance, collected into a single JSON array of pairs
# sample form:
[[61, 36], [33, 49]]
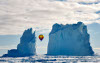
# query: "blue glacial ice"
[[27, 43], [70, 39], [26, 47]]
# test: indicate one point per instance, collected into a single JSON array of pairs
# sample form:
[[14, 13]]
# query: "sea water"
[[52, 59]]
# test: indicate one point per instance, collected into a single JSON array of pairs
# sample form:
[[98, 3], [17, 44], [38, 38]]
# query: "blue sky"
[[18, 15], [94, 31]]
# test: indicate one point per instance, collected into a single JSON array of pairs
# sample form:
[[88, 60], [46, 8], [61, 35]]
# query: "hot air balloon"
[[41, 37]]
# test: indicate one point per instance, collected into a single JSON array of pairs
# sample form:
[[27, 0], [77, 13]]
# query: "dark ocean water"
[[52, 59]]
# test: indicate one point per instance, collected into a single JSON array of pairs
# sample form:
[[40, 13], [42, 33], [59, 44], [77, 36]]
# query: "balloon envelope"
[[41, 37]]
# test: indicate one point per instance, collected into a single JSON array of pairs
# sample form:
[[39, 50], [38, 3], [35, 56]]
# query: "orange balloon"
[[41, 37]]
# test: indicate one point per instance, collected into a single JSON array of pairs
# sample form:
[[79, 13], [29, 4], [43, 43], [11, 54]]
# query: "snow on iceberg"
[[70, 39], [26, 47]]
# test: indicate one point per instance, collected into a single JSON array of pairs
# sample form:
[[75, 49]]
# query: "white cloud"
[[18, 15], [83, 0]]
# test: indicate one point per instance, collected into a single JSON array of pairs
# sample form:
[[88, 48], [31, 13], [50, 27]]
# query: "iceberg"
[[26, 47], [27, 43], [69, 39]]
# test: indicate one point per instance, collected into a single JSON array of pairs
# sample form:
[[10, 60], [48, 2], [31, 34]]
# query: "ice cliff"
[[26, 47], [70, 39], [27, 43]]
